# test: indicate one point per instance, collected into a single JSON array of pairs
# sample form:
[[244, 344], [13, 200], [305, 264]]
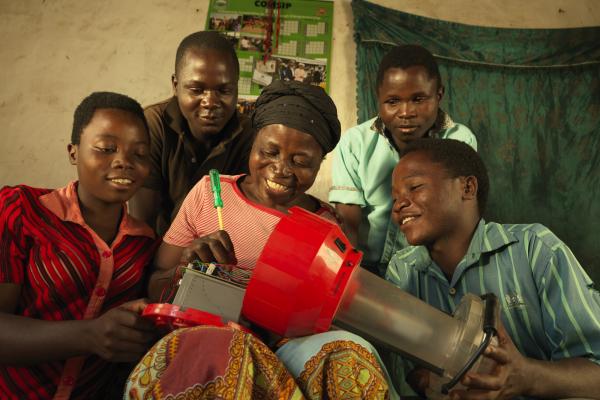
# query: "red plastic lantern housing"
[[300, 276]]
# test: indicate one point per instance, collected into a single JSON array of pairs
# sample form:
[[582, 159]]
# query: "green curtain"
[[532, 98]]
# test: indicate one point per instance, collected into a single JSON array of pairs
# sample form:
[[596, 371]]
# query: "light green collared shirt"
[[363, 163], [549, 306]]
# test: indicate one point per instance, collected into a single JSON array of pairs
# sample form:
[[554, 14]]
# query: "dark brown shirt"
[[175, 165]]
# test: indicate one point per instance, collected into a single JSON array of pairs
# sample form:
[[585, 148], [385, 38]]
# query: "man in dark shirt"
[[195, 130]]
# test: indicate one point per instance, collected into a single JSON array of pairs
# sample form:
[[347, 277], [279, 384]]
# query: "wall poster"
[[289, 40]]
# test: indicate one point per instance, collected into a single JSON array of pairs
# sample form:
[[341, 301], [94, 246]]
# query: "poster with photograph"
[[290, 69], [301, 42]]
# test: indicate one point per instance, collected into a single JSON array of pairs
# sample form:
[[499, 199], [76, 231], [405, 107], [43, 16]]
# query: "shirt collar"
[[416, 257], [64, 203], [442, 122], [174, 117], [178, 123], [487, 239]]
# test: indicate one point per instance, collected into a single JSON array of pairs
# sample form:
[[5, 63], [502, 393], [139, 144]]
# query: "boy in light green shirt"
[[409, 91]]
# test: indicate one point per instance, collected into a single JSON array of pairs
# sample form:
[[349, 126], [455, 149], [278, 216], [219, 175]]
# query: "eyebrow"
[[107, 136], [419, 93], [202, 83], [113, 136], [275, 143], [414, 175], [301, 153]]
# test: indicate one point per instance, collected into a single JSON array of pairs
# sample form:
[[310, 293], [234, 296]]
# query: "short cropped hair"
[[459, 159], [206, 40], [103, 100], [409, 55]]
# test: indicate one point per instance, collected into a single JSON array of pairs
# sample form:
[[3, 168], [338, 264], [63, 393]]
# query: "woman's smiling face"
[[283, 165]]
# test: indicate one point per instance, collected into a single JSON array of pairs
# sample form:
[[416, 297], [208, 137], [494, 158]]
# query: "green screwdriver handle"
[[215, 184]]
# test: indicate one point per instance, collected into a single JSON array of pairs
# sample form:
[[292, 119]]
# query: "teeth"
[[405, 220], [276, 186], [122, 181]]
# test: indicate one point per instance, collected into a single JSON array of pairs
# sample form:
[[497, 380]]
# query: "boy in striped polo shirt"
[[549, 339]]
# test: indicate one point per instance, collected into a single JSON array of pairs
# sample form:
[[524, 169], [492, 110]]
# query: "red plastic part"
[[300, 276], [174, 317]]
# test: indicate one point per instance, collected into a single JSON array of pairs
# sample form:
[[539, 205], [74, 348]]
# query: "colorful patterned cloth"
[[208, 362]]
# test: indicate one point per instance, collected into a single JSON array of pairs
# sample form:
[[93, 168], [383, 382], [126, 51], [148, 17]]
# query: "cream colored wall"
[[55, 52]]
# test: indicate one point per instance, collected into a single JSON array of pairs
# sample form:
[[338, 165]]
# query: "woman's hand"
[[121, 334], [215, 247]]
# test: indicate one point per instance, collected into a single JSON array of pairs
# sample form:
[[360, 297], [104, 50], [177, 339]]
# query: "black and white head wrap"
[[301, 106]]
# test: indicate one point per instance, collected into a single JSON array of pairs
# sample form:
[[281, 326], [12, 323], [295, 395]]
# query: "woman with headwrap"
[[296, 125]]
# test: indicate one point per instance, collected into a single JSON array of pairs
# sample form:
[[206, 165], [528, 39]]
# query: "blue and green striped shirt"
[[549, 306]]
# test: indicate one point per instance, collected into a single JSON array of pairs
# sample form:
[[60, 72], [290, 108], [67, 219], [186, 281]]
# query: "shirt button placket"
[[101, 291]]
